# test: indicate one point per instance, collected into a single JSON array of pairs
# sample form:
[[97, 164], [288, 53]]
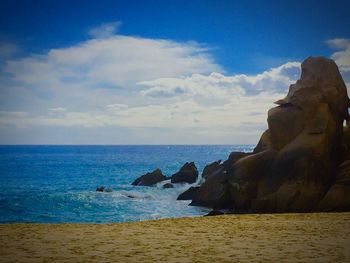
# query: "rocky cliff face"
[[301, 162]]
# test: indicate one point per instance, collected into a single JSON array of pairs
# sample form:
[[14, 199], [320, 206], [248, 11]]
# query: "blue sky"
[[245, 37], [158, 72]]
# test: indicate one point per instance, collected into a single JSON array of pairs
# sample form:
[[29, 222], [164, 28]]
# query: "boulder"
[[320, 82], [213, 193], [302, 170], [227, 166], [305, 130], [100, 189], [168, 185], [296, 165], [189, 194], [247, 172], [149, 179], [210, 169], [103, 189], [188, 173]]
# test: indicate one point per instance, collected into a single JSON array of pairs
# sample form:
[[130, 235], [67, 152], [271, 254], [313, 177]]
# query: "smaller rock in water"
[[168, 185], [100, 189], [149, 179], [188, 173], [103, 189], [215, 213]]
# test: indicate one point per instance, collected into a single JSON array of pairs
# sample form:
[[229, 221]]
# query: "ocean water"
[[56, 184]]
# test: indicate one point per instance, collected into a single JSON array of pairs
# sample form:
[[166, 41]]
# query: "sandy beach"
[[318, 237]]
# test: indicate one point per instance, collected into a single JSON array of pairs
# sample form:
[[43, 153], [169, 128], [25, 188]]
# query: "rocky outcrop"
[[189, 194], [188, 173], [210, 169], [150, 179], [214, 191], [100, 189], [296, 165], [305, 131]]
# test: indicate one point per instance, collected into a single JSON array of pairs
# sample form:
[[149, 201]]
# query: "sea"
[[57, 184]]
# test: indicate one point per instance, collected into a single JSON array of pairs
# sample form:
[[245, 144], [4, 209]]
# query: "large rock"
[[305, 129], [243, 182], [149, 179], [214, 193], [302, 170], [294, 166], [188, 173], [320, 82]]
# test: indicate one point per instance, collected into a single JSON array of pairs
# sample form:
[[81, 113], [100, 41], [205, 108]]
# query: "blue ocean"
[[57, 184]]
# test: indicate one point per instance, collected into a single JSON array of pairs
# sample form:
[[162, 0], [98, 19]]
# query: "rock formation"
[[189, 194], [188, 173], [302, 162], [210, 169], [149, 179], [103, 189], [214, 192]]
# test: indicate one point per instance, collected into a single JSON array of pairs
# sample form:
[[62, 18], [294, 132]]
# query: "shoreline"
[[306, 237]]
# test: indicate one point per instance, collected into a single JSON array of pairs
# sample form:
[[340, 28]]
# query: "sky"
[[156, 72]]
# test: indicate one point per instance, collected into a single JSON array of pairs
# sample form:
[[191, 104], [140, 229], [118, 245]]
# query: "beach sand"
[[318, 237]]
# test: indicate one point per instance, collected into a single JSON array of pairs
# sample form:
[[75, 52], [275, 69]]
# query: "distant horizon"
[[156, 72]]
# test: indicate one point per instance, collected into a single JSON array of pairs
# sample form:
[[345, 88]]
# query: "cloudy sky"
[[156, 72]]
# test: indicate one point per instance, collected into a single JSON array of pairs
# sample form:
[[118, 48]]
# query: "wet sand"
[[315, 237]]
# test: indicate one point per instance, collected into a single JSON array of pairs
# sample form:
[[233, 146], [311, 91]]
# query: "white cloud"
[[115, 62], [218, 86], [339, 43], [58, 109], [213, 106], [141, 89], [341, 57], [105, 30]]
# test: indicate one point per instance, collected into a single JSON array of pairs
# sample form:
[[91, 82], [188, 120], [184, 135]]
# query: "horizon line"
[[231, 144]]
